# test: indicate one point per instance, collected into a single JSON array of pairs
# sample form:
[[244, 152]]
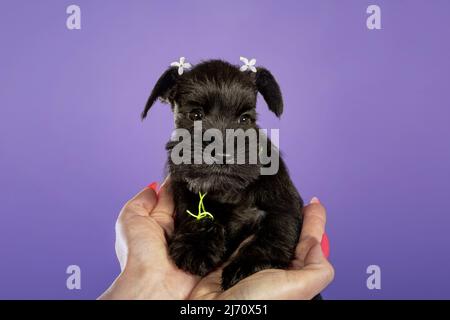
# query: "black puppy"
[[243, 202]]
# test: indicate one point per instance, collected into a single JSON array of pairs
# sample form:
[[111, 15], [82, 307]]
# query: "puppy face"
[[216, 95]]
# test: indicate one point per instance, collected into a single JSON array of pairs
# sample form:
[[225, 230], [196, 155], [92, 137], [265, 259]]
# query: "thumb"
[[315, 276], [164, 209], [315, 256], [320, 270], [140, 205]]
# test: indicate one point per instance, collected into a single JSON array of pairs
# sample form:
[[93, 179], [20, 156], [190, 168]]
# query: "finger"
[[141, 204], [163, 211], [165, 205], [314, 219], [313, 278], [209, 286]]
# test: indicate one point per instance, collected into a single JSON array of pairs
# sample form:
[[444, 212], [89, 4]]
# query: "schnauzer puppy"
[[263, 210]]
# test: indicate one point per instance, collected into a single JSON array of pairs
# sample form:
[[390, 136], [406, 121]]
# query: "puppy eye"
[[245, 119], [196, 115]]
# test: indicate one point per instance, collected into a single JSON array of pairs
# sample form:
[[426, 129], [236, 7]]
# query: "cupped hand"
[[141, 247], [309, 274], [147, 271]]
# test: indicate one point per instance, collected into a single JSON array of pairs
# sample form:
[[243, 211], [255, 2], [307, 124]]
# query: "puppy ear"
[[270, 90], [162, 89]]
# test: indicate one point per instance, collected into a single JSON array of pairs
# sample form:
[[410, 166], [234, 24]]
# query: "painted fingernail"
[[153, 185], [314, 200], [325, 244]]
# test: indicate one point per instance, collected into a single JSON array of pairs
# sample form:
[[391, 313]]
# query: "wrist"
[[133, 284]]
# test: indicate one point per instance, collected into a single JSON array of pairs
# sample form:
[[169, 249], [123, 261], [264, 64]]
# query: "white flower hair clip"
[[248, 65], [182, 64]]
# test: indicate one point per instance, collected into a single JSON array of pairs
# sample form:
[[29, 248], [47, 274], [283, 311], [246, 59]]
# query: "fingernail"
[[153, 185], [325, 244], [314, 200]]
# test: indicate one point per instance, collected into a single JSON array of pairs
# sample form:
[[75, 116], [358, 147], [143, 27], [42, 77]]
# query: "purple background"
[[366, 129]]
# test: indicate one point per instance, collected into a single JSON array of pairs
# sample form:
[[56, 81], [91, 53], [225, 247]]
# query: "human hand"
[[141, 247], [309, 274], [149, 273]]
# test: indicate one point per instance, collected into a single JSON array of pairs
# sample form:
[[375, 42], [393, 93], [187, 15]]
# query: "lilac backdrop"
[[366, 129]]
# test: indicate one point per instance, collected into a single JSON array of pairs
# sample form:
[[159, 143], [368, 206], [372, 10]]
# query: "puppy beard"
[[224, 180]]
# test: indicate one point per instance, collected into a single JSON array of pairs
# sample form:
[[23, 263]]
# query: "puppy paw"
[[199, 249]]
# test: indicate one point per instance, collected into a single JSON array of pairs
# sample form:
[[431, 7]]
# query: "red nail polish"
[[153, 185], [325, 244]]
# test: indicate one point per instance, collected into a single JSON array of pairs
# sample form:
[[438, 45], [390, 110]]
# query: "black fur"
[[244, 203]]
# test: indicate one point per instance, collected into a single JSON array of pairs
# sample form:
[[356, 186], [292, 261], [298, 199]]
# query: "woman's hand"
[[141, 247], [149, 273], [309, 274]]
